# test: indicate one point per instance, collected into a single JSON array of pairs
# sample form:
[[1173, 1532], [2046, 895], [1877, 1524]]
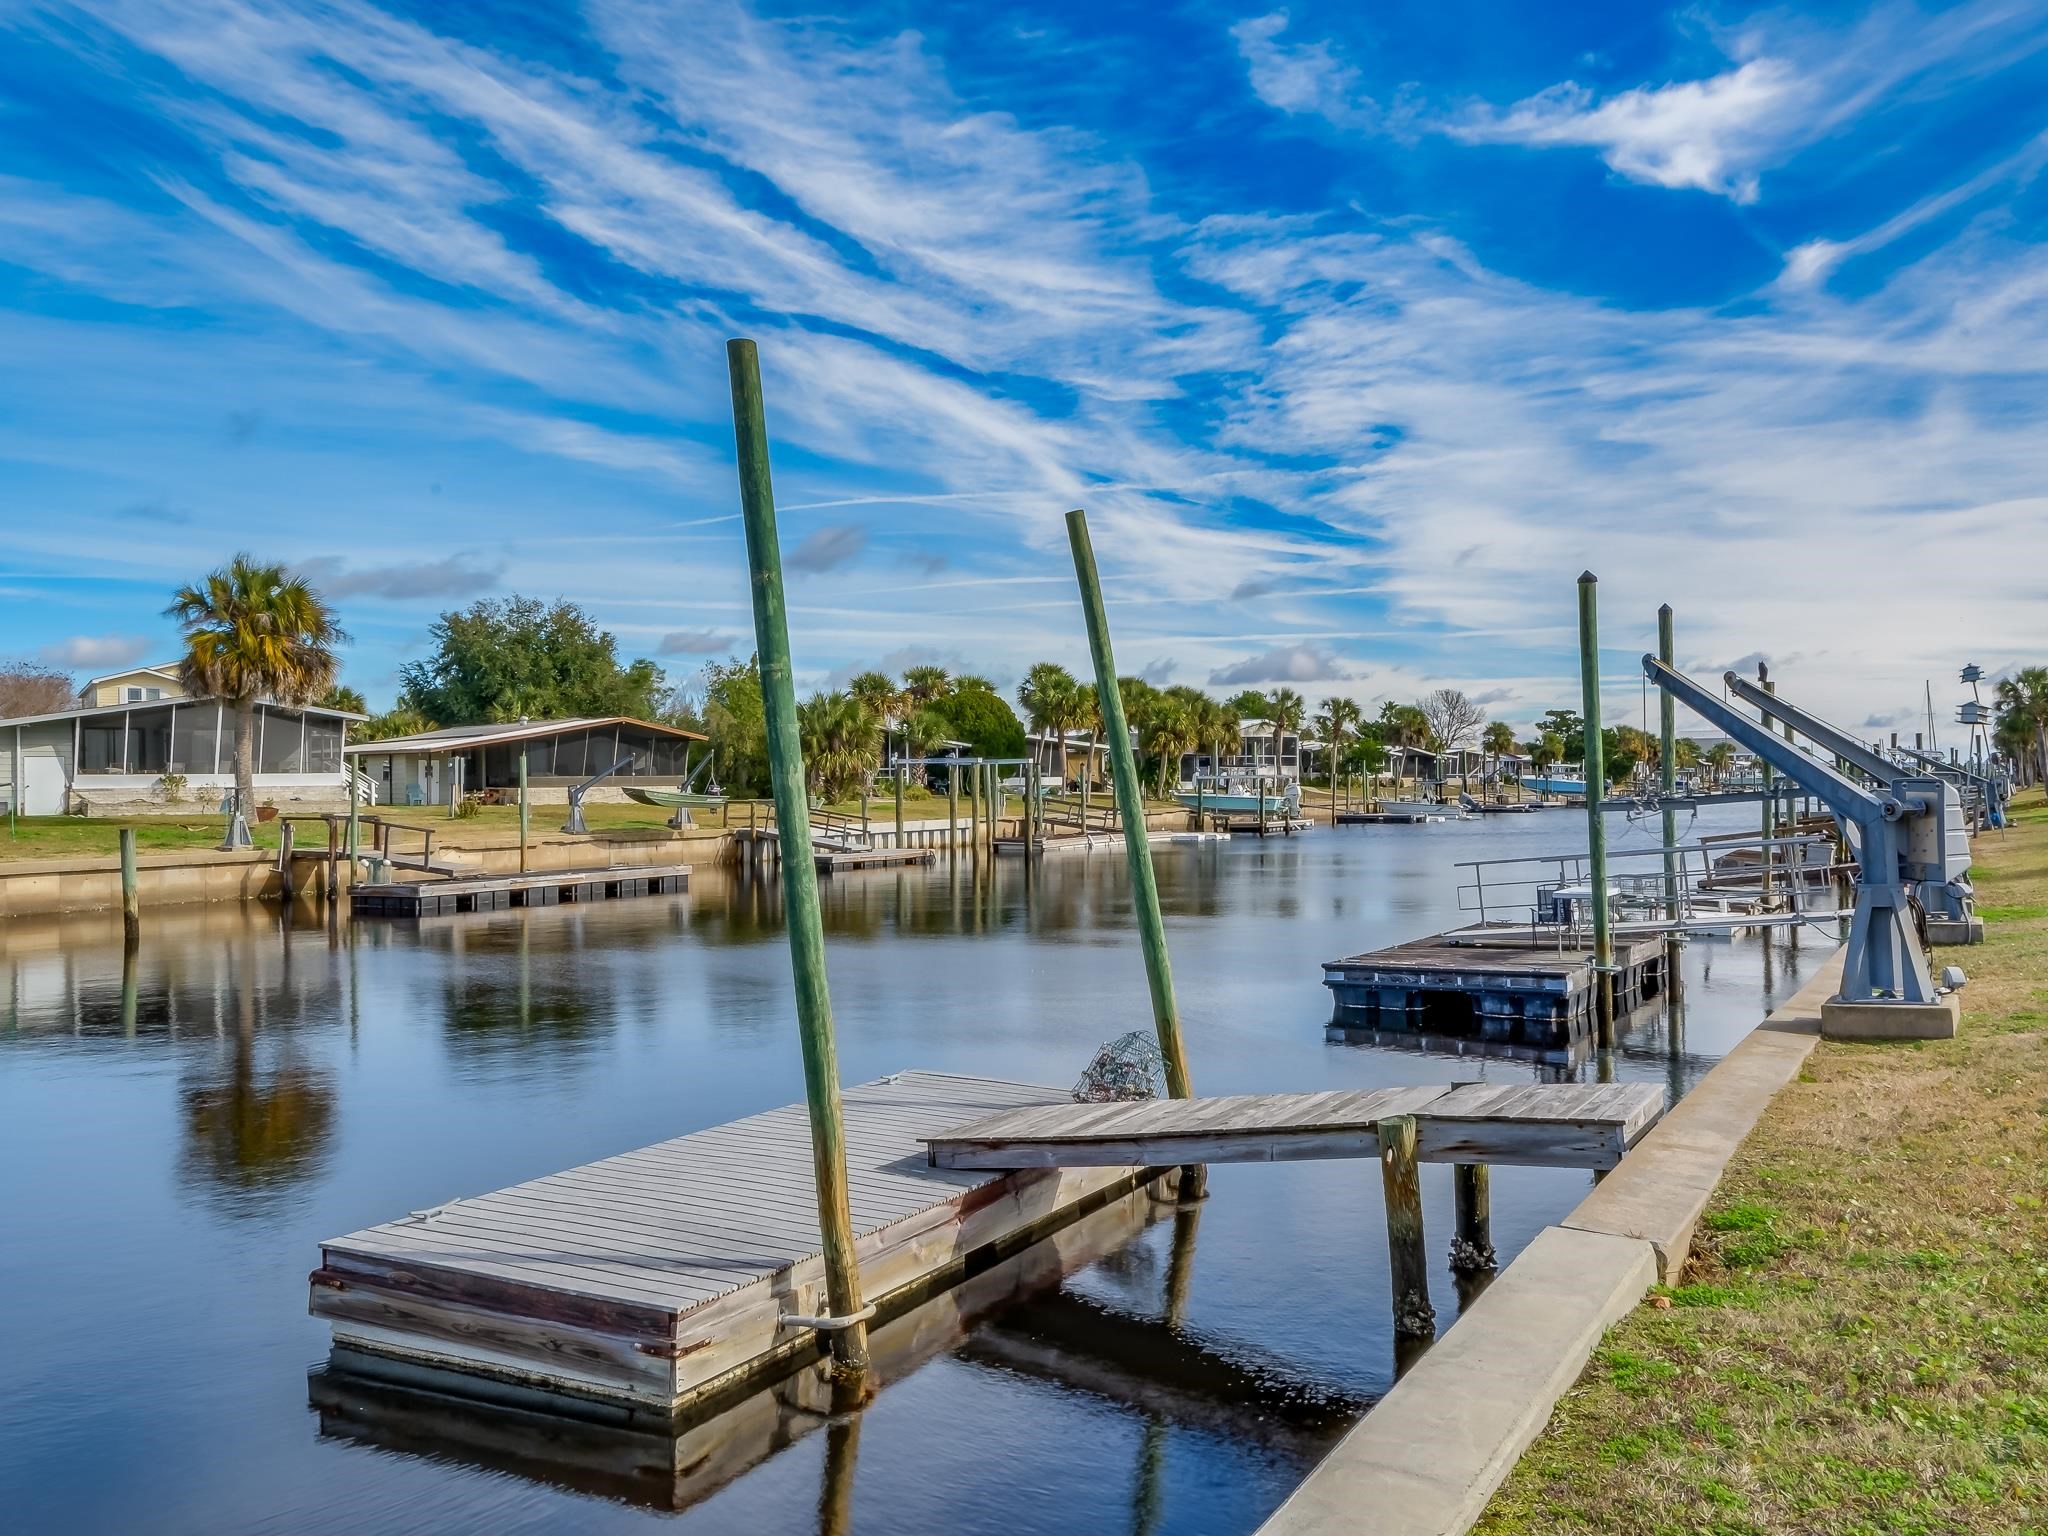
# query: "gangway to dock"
[[1563, 1125]]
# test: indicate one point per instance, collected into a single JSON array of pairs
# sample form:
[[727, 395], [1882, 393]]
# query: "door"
[[42, 786]]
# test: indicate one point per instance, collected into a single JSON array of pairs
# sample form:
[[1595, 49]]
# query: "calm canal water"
[[173, 1159]]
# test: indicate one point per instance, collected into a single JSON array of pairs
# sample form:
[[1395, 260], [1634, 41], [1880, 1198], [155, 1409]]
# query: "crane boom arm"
[[1839, 793], [1839, 742]]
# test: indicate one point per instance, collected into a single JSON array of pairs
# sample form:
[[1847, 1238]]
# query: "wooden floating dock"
[[646, 1284], [673, 1467], [1564, 1125], [495, 893], [831, 858], [1382, 819], [1499, 986]]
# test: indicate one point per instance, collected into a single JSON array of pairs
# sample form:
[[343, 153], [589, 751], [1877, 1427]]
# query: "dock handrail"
[[1565, 869]]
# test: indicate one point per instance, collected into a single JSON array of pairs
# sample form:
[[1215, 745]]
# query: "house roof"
[[167, 669], [85, 710], [456, 738]]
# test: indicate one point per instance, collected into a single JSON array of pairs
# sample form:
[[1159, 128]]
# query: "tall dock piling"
[[848, 1335], [1667, 779], [1596, 789], [131, 894], [1130, 802], [1472, 1196]]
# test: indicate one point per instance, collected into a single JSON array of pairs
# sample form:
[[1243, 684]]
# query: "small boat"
[[1238, 797], [674, 799], [1556, 786], [1419, 809]]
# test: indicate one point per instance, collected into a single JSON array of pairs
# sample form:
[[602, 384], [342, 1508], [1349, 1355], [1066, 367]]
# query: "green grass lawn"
[[1860, 1344]]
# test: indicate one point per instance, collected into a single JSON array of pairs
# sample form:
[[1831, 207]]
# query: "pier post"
[[899, 802], [953, 812], [1769, 885], [1596, 789], [1407, 1259], [522, 807], [1130, 801], [131, 895], [284, 856], [1472, 1242], [974, 808], [799, 869], [1667, 778]]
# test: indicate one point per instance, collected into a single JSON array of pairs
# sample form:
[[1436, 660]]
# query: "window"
[[131, 695], [569, 752], [281, 748], [323, 744], [192, 739], [99, 745], [149, 740]]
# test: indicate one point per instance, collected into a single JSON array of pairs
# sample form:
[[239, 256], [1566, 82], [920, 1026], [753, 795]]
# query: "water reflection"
[[256, 1129]]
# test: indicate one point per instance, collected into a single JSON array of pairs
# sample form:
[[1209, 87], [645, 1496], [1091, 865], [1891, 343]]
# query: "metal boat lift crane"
[[577, 792], [1901, 828], [1949, 902]]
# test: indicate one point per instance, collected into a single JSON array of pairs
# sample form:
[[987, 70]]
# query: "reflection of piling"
[[1130, 800], [128, 990], [131, 894], [804, 922], [953, 812], [1596, 788], [1180, 1264], [835, 1488], [1407, 1259]]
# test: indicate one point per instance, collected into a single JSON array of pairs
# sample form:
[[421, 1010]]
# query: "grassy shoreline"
[[1860, 1344]]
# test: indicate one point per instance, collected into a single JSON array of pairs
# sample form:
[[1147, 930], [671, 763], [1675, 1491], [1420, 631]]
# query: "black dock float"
[[1507, 988], [498, 893]]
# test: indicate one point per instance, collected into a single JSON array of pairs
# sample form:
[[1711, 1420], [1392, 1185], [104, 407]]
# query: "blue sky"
[[1358, 330]]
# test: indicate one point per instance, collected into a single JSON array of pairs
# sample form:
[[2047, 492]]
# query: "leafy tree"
[[29, 688], [503, 658], [1546, 751], [1250, 705], [339, 697], [1719, 758], [737, 722], [1453, 718], [1569, 728], [976, 714], [1620, 751], [254, 631], [1404, 725]]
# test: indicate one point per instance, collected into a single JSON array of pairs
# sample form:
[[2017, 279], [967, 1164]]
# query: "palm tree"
[[1497, 740], [880, 697], [1288, 709], [926, 685], [1545, 752], [840, 736], [1719, 758], [1339, 715], [1172, 730], [1052, 702], [254, 632], [2024, 697]]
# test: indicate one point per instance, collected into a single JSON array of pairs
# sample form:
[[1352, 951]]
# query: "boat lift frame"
[[578, 791], [1949, 901], [1902, 835]]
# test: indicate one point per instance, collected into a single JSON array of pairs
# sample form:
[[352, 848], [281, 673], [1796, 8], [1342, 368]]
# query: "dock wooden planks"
[[649, 1281], [1563, 1125]]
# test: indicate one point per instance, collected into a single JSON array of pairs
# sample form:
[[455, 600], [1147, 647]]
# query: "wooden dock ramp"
[[1545, 1126]]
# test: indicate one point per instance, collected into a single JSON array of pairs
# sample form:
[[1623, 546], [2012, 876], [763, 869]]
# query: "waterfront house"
[[1254, 755], [138, 754], [433, 767]]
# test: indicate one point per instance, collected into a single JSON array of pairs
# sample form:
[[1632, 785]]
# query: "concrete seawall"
[[1428, 1457]]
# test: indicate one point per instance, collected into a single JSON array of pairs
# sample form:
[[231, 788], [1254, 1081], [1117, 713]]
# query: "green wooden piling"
[[1667, 779], [1596, 788], [799, 866], [131, 895], [974, 807], [953, 811], [522, 808], [1407, 1258], [899, 802], [1130, 800]]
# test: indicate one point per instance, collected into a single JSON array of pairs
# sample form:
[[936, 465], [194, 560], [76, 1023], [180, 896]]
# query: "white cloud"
[[451, 576], [100, 651], [1713, 134], [1295, 77], [1302, 663], [827, 549]]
